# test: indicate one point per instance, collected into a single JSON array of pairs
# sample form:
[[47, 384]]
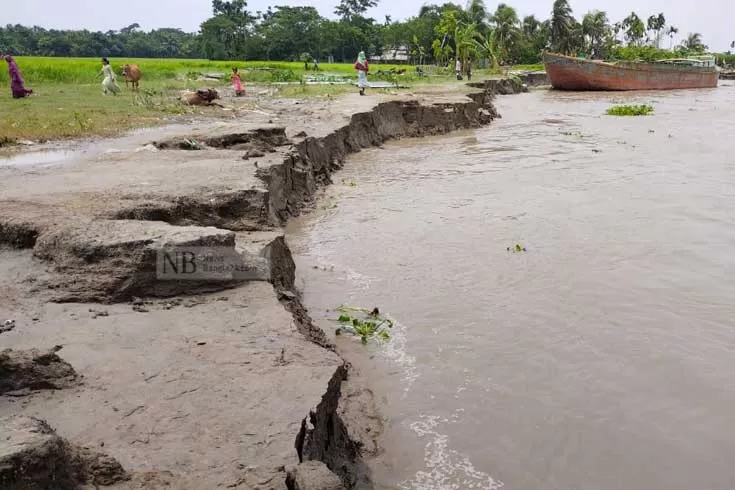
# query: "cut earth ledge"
[[237, 389]]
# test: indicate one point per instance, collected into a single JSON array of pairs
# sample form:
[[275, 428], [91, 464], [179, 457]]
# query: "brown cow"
[[132, 74], [203, 96]]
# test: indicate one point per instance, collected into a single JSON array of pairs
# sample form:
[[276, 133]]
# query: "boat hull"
[[567, 73]]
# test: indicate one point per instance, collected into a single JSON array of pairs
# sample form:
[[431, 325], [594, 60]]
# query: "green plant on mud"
[[517, 249], [630, 110], [83, 122], [364, 323], [158, 100]]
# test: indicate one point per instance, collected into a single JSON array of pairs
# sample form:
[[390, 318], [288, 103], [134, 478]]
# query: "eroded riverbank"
[[602, 357], [200, 383]]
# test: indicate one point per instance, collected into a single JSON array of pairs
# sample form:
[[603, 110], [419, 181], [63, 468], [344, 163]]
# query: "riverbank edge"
[[327, 434], [375, 128]]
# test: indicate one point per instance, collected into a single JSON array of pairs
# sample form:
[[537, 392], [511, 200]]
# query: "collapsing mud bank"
[[102, 243]]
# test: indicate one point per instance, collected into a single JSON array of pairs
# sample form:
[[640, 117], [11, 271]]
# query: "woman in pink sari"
[[16, 80]]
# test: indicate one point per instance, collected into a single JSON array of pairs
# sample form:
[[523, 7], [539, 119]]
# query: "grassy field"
[[39, 70], [68, 100], [537, 67]]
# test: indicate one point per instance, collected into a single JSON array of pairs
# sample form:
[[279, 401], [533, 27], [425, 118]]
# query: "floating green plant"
[[517, 249], [630, 110], [364, 323]]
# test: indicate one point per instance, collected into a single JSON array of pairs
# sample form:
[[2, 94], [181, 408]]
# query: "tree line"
[[437, 34]]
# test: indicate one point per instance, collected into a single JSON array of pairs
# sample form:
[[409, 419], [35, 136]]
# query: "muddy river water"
[[603, 357]]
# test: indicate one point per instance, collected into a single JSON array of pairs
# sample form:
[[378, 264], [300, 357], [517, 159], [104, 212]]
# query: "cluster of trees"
[[437, 34], [128, 42]]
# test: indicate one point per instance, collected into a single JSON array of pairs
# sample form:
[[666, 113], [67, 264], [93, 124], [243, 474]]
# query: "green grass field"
[[39, 70], [68, 100]]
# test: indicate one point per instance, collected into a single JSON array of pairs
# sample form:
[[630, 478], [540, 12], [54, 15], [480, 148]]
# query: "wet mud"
[[156, 367]]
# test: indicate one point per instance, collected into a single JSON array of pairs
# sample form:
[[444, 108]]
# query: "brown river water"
[[603, 357]]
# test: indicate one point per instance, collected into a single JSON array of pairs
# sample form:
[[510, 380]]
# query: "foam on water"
[[396, 350], [446, 468]]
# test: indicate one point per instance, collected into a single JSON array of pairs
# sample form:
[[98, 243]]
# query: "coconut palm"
[[595, 28], [530, 26], [562, 27], [671, 31], [694, 43], [476, 12], [656, 23], [505, 32]]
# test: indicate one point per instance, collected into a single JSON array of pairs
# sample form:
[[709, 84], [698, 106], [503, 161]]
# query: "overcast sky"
[[712, 18]]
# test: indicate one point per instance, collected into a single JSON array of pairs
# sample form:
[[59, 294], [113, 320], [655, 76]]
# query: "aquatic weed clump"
[[630, 110], [364, 323]]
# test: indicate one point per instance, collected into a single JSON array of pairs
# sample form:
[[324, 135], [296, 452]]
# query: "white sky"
[[712, 18]]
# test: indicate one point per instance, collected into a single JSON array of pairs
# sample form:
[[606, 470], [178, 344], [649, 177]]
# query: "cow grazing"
[[132, 74]]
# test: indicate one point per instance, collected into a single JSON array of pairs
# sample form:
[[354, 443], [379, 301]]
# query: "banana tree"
[[464, 36], [486, 45]]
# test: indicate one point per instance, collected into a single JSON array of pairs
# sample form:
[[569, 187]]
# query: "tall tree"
[[694, 43], [291, 31], [476, 13], [562, 27], [505, 31], [347, 9], [596, 29], [634, 29], [226, 32], [655, 24], [671, 31]]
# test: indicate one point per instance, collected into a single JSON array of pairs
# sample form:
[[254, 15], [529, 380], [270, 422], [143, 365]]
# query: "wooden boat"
[[569, 73]]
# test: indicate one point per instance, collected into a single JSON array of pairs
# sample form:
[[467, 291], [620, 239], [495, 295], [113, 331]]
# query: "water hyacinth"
[[364, 323]]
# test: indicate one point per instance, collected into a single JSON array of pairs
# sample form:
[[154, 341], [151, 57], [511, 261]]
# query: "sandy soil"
[[198, 389]]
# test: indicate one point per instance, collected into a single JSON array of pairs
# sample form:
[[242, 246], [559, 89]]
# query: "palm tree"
[[671, 31], [656, 23], [530, 26], [694, 43], [476, 12], [595, 27], [562, 25], [505, 33]]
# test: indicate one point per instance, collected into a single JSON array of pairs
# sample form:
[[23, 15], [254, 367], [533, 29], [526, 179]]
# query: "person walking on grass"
[[361, 65], [17, 85], [109, 85], [469, 70], [237, 83]]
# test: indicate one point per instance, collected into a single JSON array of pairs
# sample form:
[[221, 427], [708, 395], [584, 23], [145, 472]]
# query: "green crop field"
[[38, 70], [68, 100]]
